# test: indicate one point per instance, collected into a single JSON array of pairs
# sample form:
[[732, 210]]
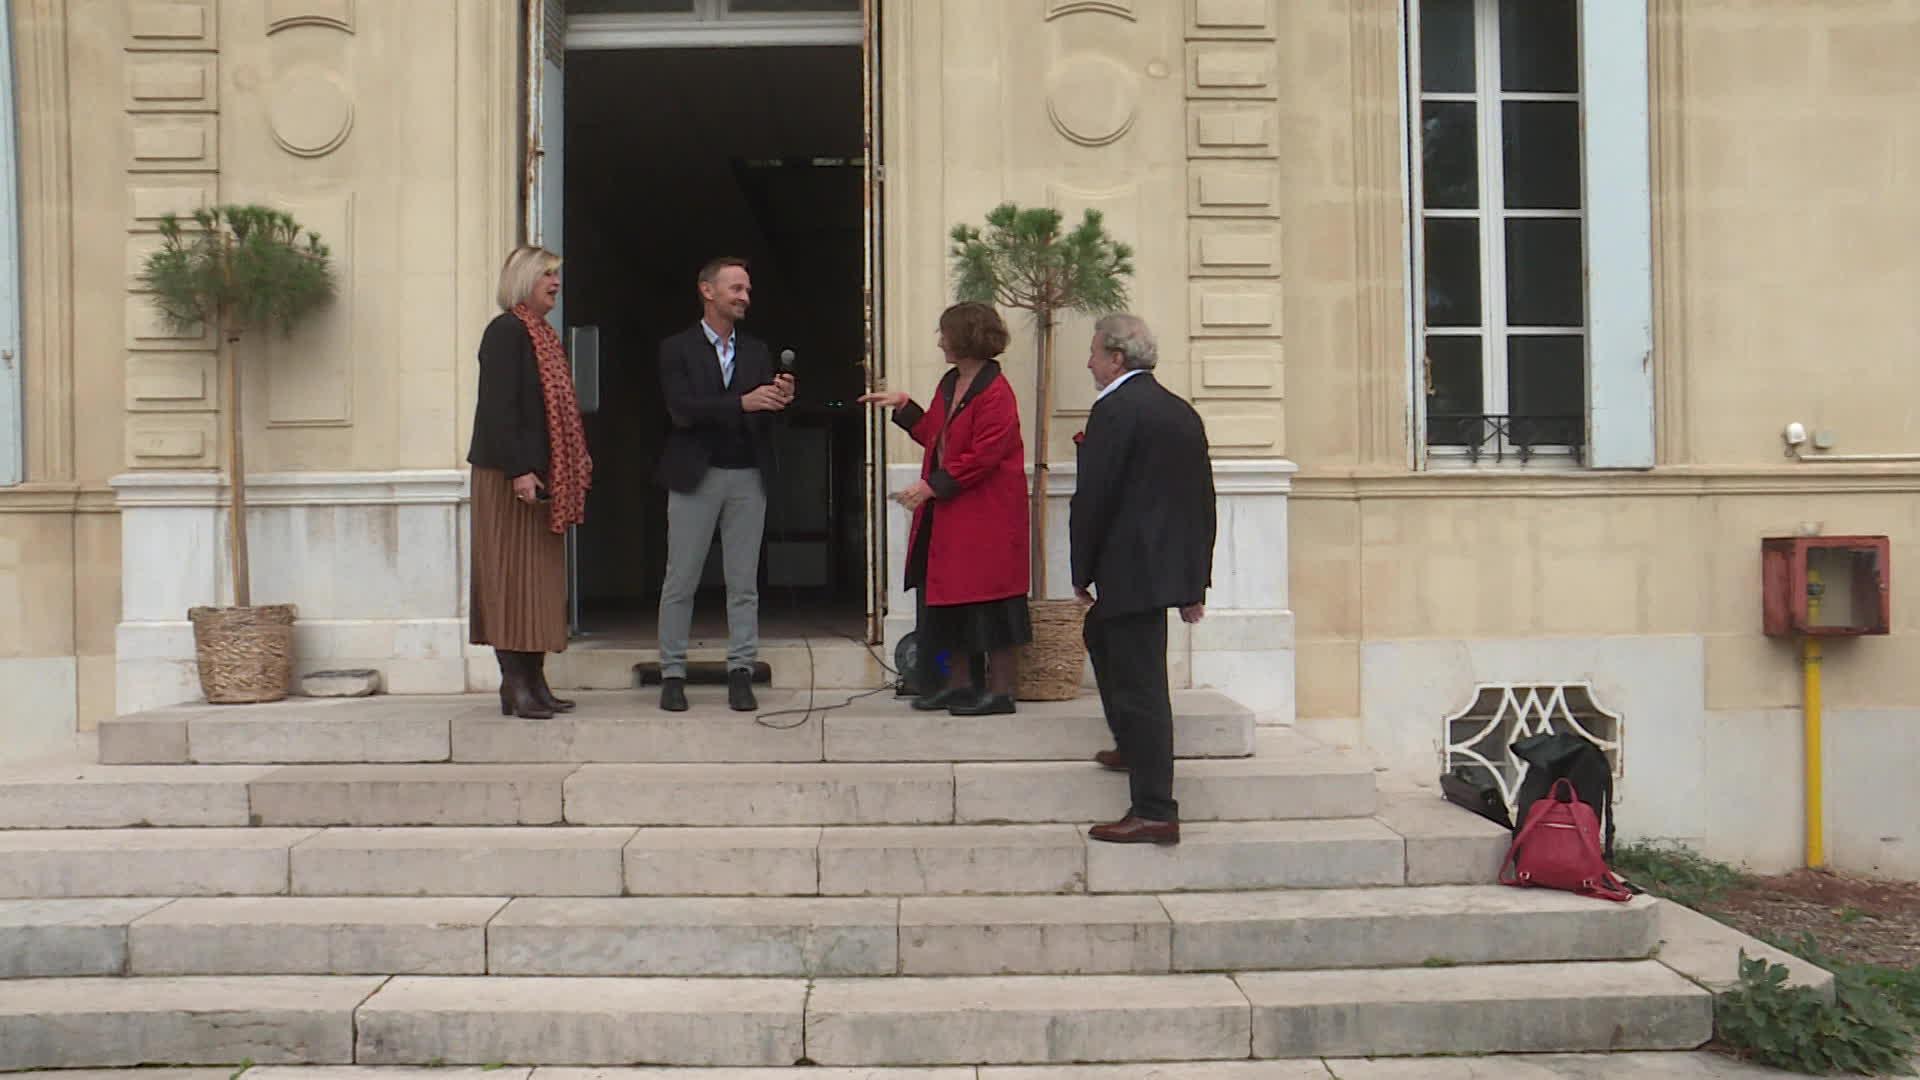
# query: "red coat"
[[979, 546]]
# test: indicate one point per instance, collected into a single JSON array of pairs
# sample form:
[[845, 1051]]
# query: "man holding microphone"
[[721, 393]]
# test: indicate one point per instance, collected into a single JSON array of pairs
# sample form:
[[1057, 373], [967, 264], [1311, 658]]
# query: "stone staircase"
[[421, 882]]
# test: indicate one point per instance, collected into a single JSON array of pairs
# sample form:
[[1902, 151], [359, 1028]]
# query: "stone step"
[[1034, 935], [952, 859], [294, 731], [627, 727], [101, 1023], [582, 1021], [1284, 786], [1446, 844], [1259, 788], [690, 937], [522, 861], [59, 863], [1334, 853], [1518, 1008], [1207, 724], [125, 796], [838, 936], [1026, 1020], [302, 935], [607, 861], [372, 795], [863, 1022], [1410, 927], [760, 794], [41, 939]]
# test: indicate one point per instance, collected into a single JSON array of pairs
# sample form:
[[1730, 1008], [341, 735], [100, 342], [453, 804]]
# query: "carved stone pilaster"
[[46, 248], [1380, 235], [1668, 93], [1234, 272]]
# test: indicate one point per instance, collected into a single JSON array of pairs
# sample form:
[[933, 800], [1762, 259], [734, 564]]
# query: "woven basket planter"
[[1050, 667], [245, 654]]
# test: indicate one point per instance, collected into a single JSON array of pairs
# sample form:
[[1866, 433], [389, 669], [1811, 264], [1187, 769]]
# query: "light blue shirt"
[[721, 349], [1110, 387]]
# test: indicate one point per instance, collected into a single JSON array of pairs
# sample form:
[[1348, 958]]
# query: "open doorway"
[[674, 156]]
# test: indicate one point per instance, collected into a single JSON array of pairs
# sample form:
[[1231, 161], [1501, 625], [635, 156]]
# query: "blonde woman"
[[531, 472]]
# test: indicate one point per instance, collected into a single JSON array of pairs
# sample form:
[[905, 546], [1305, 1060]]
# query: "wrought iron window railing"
[[1477, 738], [1490, 434]]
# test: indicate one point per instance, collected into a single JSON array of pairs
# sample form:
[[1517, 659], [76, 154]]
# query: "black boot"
[[673, 695], [938, 700], [982, 705], [516, 687], [740, 690], [537, 663]]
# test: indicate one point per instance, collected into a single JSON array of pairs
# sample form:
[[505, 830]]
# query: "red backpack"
[[1558, 847]]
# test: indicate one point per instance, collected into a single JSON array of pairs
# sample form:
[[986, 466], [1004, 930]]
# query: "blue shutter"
[[11, 465], [1614, 84]]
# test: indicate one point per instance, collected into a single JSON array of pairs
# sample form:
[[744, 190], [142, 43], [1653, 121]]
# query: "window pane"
[[630, 7], [1446, 46], [1540, 146], [1454, 399], [1450, 155], [785, 7], [1547, 385], [1453, 272], [1545, 272], [1539, 46]]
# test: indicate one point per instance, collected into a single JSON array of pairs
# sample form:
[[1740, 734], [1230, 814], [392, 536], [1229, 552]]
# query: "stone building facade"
[[1495, 313]]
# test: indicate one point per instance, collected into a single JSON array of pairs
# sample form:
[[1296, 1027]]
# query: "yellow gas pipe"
[[1810, 655]]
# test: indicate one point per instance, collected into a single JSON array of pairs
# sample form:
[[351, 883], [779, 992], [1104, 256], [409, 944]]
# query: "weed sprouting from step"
[[1794, 1028], [241, 1070], [1439, 962]]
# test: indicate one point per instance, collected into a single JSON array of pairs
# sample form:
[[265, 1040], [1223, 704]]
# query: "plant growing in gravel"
[[1677, 873], [1794, 1028]]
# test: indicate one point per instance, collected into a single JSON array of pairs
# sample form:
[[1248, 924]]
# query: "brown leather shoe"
[[1137, 830], [1112, 759]]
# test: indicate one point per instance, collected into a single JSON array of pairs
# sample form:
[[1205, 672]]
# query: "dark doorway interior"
[[675, 156]]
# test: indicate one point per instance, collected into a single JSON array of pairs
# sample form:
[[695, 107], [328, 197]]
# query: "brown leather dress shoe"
[[1112, 759], [1137, 830]]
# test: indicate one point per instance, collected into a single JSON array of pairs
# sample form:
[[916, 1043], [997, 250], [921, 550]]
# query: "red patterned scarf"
[[569, 468]]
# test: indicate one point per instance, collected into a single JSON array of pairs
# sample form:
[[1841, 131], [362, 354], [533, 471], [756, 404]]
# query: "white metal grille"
[[1478, 738]]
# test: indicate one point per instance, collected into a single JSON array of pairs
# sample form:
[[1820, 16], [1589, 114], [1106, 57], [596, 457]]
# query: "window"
[[1518, 321], [711, 9], [656, 24]]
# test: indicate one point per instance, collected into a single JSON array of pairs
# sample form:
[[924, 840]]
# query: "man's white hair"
[[1128, 335]]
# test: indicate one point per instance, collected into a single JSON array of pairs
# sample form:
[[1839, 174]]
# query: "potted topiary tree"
[[234, 270], [1022, 260]]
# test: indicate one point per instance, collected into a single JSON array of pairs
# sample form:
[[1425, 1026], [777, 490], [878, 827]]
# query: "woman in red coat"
[[968, 555]]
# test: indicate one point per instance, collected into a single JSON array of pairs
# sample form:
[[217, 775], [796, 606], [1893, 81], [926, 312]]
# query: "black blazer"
[[1142, 521], [510, 413], [697, 400]]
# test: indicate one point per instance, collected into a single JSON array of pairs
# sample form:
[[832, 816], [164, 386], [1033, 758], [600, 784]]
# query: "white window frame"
[[711, 24], [1616, 213]]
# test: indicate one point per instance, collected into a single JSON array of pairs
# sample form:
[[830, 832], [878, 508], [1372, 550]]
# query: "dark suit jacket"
[[697, 401], [510, 413], [1142, 522]]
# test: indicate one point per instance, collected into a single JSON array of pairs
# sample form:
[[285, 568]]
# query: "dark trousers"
[[1129, 654]]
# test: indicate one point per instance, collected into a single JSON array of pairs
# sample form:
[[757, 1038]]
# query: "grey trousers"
[[735, 500]]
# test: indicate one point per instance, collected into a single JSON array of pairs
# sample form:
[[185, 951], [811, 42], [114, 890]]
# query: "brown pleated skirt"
[[519, 571]]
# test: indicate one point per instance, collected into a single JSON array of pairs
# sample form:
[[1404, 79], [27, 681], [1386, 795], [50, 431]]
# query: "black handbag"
[[1462, 788]]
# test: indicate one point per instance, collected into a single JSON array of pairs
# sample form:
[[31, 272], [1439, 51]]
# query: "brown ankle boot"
[[516, 687], [537, 663]]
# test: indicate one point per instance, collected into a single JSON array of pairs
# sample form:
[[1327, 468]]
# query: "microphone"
[[786, 361]]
